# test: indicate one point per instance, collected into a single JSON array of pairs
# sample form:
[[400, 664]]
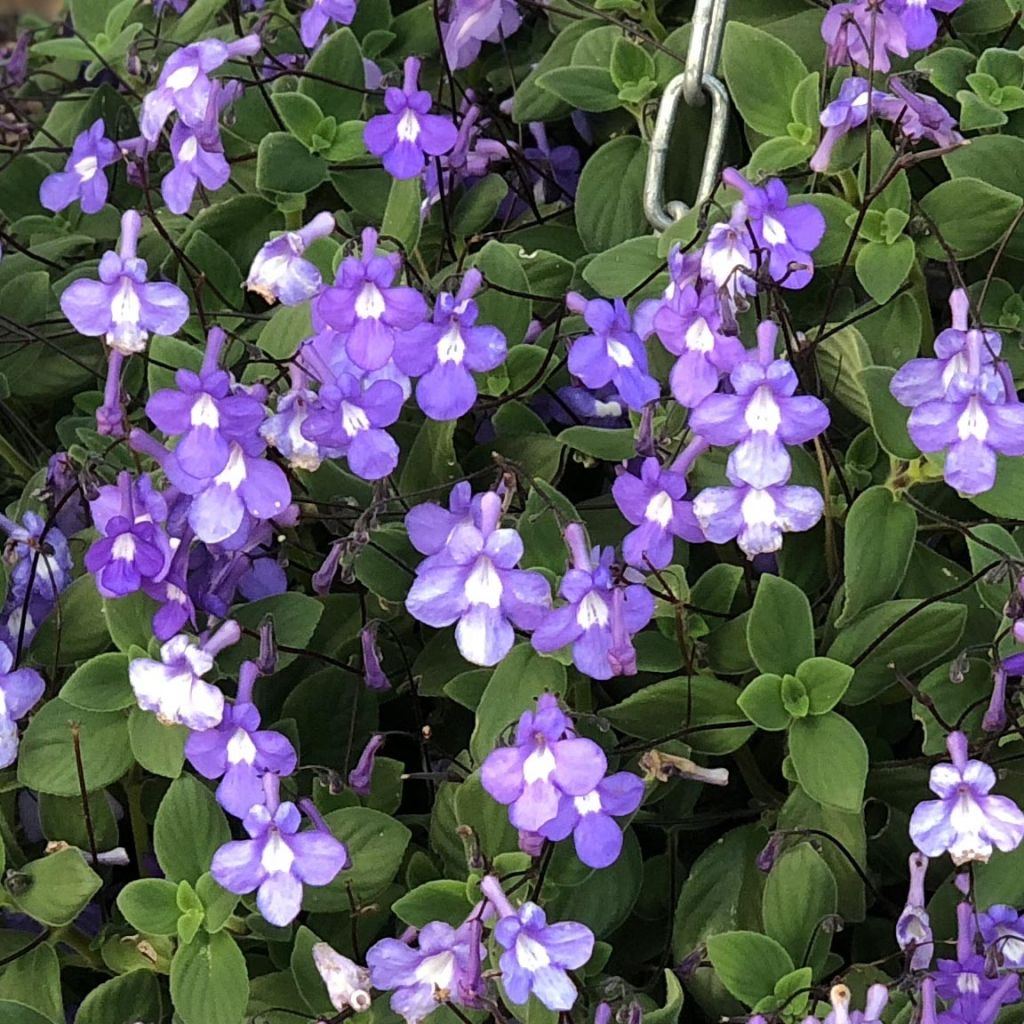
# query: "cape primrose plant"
[[429, 592]]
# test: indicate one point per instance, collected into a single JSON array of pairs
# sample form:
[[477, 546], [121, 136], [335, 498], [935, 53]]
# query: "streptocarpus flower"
[[122, 307], [82, 178], [360, 778], [173, 687], [20, 689], [408, 134], [184, 84], [849, 110], [279, 271], [612, 353], [655, 503], [920, 23], [278, 859], [586, 621], [874, 1004], [470, 23], [366, 307], [1002, 930], [727, 260], [443, 351], [373, 671], [445, 967], [590, 818], [787, 232], [762, 416], [429, 525], [348, 984], [198, 159], [283, 430], [537, 955], [913, 929], [865, 32], [240, 751], [966, 821], [474, 581], [38, 557], [316, 17], [547, 763], [919, 117]]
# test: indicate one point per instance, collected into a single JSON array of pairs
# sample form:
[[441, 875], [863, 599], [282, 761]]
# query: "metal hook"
[[707, 29]]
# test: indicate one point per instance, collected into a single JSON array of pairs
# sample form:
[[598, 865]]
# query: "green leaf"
[[209, 981], [126, 999], [762, 73], [805, 104], [585, 88], [150, 906], [825, 682], [779, 154], [54, 889], [46, 759], [830, 760], [130, 619], [300, 114], [923, 635], [441, 900], [780, 631], [1005, 496], [195, 21], [617, 271], [189, 828], [336, 77], [431, 460], [761, 702], [980, 542], [157, 746], [479, 205], [682, 703], [402, 213], [880, 534], [748, 964], [34, 980], [794, 697], [218, 904], [89, 17], [882, 269], [840, 358], [618, 169], [501, 266], [533, 103], [799, 892], [101, 684], [669, 1013], [630, 63], [522, 675], [295, 617], [601, 442], [971, 214], [888, 418], [837, 213], [995, 159], [76, 630], [285, 165], [947, 69]]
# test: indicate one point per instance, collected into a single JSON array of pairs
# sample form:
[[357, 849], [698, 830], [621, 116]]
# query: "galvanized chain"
[[696, 82]]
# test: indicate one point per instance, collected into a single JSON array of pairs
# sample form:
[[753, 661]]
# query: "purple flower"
[[20, 690], [366, 308], [184, 84], [865, 32], [240, 751], [597, 407], [537, 955], [348, 984], [655, 504], [134, 548], [874, 1004], [38, 558], [198, 159], [121, 306], [591, 818], [65, 498], [445, 967], [319, 13], [787, 233], [429, 525], [1002, 929], [176, 606], [280, 273], [408, 134], [965, 821], [756, 517], [847, 111], [913, 929], [547, 763], [14, 65], [586, 621], [82, 178], [443, 351], [919, 117], [278, 859], [920, 23], [728, 261], [373, 671], [360, 778], [551, 173], [283, 430], [612, 353], [474, 581], [762, 417], [173, 687], [471, 23]]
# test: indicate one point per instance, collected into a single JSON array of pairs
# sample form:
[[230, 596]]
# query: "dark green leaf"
[[830, 759], [748, 964], [780, 630], [190, 827]]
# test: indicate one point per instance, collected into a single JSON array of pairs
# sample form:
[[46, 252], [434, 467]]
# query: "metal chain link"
[[696, 82]]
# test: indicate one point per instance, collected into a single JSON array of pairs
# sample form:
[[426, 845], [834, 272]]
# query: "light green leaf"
[[830, 759], [780, 630]]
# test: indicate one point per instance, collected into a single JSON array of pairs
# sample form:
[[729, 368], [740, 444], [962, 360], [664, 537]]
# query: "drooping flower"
[[474, 581], [913, 929], [537, 955], [279, 272], [122, 307], [173, 687], [612, 353], [442, 352], [82, 178], [919, 117], [865, 32], [20, 690], [240, 751], [443, 967], [64, 497], [360, 778], [655, 503], [849, 110], [1002, 930], [966, 821], [874, 1004], [590, 818], [184, 84], [762, 416], [471, 23], [38, 557], [316, 17], [408, 134], [373, 672], [546, 763], [367, 308], [348, 984], [278, 859], [586, 621]]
